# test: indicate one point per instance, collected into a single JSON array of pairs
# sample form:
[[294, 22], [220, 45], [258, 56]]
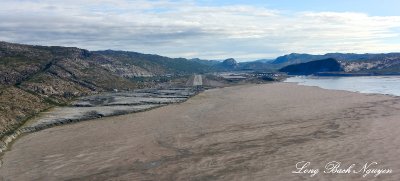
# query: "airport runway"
[[198, 80]]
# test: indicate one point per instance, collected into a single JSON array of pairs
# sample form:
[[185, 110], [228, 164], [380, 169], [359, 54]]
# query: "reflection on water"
[[369, 84]]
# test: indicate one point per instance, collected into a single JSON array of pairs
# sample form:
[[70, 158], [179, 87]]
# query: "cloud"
[[188, 29]]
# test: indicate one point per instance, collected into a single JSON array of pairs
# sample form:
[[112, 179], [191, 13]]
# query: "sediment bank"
[[251, 132]]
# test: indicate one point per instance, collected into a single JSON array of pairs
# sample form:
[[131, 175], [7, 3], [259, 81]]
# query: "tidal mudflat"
[[101, 105], [109, 104], [251, 132]]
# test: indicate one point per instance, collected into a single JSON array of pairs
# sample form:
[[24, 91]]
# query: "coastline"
[[380, 85], [370, 94], [217, 131]]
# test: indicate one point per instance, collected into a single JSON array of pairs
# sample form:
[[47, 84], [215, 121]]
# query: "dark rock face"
[[229, 64], [351, 62], [326, 65]]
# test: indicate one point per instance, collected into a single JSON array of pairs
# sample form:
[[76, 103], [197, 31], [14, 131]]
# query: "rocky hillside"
[[380, 66], [132, 64], [34, 78]]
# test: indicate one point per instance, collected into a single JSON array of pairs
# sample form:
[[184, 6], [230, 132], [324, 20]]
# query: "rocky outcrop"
[[227, 65], [230, 63], [385, 66]]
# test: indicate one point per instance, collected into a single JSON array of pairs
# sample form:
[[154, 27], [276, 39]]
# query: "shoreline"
[[386, 88], [371, 94], [210, 124]]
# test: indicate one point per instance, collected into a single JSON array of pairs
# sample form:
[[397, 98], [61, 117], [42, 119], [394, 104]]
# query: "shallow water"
[[368, 84]]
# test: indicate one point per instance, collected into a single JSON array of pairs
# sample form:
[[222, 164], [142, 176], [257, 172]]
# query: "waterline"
[[389, 85]]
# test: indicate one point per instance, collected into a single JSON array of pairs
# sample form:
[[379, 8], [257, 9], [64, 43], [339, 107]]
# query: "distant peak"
[[230, 61]]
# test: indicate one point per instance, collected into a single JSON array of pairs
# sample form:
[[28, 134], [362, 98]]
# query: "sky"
[[208, 29]]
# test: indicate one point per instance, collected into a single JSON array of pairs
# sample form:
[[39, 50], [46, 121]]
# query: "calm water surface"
[[369, 84]]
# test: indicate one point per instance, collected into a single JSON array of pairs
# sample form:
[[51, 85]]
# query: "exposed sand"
[[256, 132]]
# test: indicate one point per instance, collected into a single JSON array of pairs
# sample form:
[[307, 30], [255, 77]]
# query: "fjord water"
[[368, 84]]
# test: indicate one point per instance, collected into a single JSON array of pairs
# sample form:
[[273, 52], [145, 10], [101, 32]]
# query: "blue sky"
[[371, 7], [209, 29]]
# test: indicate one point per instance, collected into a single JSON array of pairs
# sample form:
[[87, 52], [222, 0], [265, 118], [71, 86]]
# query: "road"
[[198, 80]]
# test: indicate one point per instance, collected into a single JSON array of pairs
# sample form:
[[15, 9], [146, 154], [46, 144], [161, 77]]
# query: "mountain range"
[[35, 78], [351, 63]]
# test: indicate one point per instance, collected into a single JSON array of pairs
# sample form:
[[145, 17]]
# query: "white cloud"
[[184, 28]]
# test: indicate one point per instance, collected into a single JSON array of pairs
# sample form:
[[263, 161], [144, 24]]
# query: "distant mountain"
[[257, 66], [206, 62], [381, 66], [296, 58], [264, 60], [352, 63], [229, 64], [318, 66], [232, 65]]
